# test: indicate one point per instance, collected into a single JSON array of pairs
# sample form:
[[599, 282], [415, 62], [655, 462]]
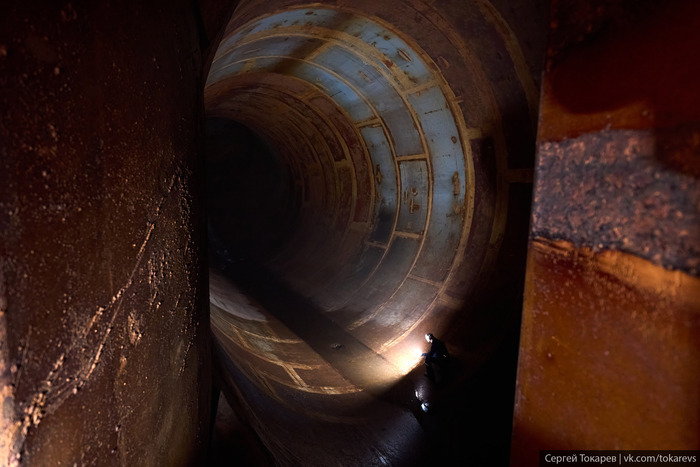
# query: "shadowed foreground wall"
[[104, 352]]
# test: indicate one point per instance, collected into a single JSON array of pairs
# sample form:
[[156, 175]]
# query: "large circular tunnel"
[[369, 171]]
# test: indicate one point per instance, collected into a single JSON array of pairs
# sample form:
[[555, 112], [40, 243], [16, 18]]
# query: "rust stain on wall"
[[610, 348], [628, 190]]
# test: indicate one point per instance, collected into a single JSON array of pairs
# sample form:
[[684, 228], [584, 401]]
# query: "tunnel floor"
[[468, 419]]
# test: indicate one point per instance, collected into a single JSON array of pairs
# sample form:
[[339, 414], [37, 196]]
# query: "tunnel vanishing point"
[[276, 200]]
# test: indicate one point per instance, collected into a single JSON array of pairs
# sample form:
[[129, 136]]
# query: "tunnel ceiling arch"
[[374, 136]]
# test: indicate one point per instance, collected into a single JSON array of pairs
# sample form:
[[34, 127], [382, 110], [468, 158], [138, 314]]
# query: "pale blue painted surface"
[[415, 185], [360, 85], [447, 157], [389, 275], [291, 46], [386, 101], [406, 306], [387, 195], [227, 66]]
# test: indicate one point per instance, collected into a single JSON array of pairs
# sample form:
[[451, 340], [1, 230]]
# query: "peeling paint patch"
[[621, 190]]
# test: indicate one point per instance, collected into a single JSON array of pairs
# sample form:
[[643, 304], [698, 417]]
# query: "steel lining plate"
[[415, 186], [385, 182]]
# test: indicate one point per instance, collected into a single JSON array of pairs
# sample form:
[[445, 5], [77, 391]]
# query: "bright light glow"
[[408, 360]]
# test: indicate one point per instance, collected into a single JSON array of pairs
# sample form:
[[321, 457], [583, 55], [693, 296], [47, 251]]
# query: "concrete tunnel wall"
[[369, 177]]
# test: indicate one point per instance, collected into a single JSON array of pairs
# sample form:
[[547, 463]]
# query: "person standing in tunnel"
[[437, 355]]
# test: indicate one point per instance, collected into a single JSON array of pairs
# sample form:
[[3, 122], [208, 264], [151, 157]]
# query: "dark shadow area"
[[469, 418], [250, 198], [621, 64], [472, 415], [233, 440]]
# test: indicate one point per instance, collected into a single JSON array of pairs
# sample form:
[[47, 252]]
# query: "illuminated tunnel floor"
[[467, 419]]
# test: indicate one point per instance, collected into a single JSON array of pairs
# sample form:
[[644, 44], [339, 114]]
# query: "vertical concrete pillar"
[[104, 355], [610, 345]]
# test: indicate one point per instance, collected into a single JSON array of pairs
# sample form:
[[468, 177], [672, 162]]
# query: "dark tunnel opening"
[[250, 201], [368, 184]]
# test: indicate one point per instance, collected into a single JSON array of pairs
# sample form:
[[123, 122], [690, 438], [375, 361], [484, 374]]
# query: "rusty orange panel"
[[610, 338], [609, 354]]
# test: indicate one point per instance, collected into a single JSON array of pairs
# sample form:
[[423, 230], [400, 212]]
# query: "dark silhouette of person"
[[437, 355]]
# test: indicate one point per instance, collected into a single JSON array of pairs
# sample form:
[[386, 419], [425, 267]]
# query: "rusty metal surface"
[[611, 320], [620, 65], [615, 190], [104, 355], [612, 342]]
